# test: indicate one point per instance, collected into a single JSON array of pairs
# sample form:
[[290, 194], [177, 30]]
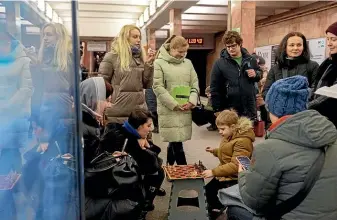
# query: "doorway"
[[199, 60]]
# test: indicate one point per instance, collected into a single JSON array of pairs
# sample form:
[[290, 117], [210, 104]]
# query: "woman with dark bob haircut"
[[293, 58]]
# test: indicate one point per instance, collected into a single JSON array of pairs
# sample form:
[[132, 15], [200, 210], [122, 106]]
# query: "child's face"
[[226, 131], [208, 94]]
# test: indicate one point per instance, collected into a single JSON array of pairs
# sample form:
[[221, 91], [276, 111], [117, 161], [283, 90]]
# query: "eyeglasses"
[[233, 46]]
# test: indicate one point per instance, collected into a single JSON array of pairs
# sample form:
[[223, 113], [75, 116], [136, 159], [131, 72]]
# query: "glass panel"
[[40, 150]]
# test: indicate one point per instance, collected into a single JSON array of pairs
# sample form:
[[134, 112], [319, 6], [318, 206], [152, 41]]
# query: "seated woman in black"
[[133, 136]]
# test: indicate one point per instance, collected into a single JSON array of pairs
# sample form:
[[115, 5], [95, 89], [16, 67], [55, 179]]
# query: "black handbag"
[[107, 173], [200, 115]]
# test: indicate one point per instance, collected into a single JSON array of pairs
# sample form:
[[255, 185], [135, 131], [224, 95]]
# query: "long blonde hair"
[[122, 47], [63, 47]]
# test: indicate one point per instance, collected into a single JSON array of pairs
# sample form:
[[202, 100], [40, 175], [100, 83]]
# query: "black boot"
[[161, 192], [179, 153], [170, 159]]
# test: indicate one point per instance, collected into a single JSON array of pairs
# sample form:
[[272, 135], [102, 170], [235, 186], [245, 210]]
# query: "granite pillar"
[[175, 22], [243, 20]]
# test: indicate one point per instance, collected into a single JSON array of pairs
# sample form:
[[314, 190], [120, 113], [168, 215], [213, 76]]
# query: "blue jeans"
[[238, 213]]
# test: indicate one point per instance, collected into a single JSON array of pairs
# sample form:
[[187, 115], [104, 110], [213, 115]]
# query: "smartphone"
[[244, 161]]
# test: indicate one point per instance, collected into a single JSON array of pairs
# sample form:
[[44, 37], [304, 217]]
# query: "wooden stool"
[[200, 201]]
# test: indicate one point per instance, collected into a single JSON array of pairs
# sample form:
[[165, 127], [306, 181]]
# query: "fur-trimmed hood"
[[244, 128]]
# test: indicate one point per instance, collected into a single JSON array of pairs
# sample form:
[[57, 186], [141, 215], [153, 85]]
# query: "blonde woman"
[[129, 73], [52, 98], [173, 70]]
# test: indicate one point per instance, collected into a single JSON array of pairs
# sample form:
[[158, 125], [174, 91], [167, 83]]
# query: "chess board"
[[180, 172], [7, 182]]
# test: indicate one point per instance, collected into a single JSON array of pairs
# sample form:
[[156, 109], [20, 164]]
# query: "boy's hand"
[[209, 149], [207, 174]]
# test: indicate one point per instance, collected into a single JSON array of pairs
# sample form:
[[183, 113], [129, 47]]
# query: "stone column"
[[13, 18], [175, 22], [243, 20]]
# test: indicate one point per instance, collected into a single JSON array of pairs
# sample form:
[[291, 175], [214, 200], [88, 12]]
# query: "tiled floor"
[[195, 151]]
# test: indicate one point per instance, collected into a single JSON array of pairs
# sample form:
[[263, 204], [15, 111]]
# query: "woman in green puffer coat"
[[172, 70]]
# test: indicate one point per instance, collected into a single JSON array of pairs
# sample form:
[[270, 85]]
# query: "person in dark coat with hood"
[[94, 94], [233, 78], [100, 205], [327, 76]]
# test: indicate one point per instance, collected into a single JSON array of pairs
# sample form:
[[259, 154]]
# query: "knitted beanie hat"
[[288, 96]]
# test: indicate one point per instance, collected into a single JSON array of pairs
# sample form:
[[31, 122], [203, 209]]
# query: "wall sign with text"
[[195, 41]]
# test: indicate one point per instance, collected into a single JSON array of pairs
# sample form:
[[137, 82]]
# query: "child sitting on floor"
[[238, 138]]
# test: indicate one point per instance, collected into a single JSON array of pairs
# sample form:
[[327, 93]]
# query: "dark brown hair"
[[231, 37], [282, 49], [138, 117]]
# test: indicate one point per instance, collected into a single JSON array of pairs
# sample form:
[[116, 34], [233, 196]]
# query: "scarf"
[[136, 51], [131, 129]]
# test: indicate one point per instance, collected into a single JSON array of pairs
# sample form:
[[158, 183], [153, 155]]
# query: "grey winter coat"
[[280, 164]]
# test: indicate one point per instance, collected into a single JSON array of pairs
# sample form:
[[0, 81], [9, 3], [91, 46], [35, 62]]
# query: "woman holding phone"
[[129, 71]]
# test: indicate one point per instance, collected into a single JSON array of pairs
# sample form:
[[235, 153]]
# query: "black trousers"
[[212, 189], [175, 153], [152, 184], [155, 119]]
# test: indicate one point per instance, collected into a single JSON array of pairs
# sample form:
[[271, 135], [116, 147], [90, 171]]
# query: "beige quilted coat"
[[127, 86], [169, 72]]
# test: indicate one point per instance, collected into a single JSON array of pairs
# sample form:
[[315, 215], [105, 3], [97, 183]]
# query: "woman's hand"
[[118, 154], [150, 56], [143, 143], [207, 174], [43, 147], [178, 108], [187, 106]]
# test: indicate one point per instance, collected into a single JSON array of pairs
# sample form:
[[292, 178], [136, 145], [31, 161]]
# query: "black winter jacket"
[[307, 69], [230, 85], [113, 140], [326, 76], [91, 137]]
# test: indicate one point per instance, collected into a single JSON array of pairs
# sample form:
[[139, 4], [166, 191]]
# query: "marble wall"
[[312, 26]]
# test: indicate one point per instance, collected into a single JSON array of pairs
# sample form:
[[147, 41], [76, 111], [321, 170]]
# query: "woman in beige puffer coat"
[[128, 72]]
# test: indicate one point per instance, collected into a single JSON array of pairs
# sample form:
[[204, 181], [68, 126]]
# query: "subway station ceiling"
[[199, 16]]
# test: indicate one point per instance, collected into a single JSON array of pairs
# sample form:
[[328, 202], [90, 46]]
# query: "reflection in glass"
[[38, 156]]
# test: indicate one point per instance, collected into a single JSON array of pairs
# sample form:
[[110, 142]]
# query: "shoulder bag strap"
[[198, 94], [309, 182]]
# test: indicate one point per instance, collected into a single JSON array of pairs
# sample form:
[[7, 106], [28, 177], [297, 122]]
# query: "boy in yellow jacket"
[[238, 138]]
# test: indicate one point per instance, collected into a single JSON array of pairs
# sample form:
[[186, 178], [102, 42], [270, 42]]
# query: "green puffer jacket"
[[169, 72]]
